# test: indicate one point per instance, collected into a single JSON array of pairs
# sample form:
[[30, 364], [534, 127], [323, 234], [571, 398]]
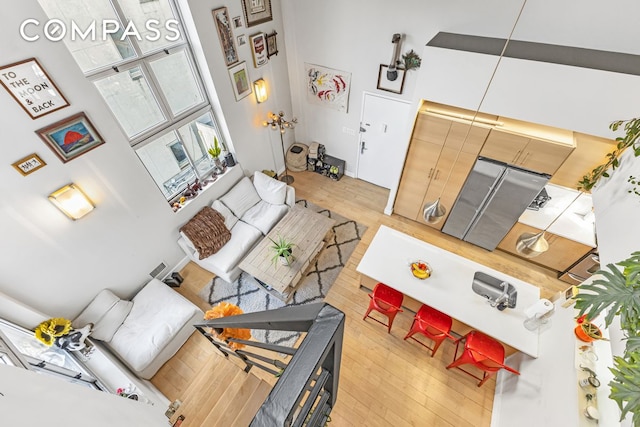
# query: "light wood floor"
[[384, 381]]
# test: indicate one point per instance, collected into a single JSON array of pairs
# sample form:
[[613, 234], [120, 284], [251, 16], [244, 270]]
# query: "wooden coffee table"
[[309, 231]]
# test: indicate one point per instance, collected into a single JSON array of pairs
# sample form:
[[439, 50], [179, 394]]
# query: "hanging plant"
[[411, 60], [630, 139]]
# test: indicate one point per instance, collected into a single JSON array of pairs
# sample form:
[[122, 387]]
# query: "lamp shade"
[[530, 245], [433, 212], [72, 201], [260, 87]]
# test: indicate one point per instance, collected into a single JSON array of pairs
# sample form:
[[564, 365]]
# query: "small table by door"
[[309, 231]]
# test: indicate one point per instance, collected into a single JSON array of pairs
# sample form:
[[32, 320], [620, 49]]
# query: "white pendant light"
[[433, 212]]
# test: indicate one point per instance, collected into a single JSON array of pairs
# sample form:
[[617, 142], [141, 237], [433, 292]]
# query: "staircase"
[[223, 395]]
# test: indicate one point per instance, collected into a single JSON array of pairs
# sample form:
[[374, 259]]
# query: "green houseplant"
[[283, 249], [618, 291]]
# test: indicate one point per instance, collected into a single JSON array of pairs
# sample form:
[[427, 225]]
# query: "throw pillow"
[[241, 197], [270, 190], [229, 218], [207, 232], [107, 312]]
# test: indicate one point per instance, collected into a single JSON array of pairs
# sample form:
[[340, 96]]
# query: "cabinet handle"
[[515, 158], [435, 178], [430, 173], [525, 158], [595, 258], [576, 278]]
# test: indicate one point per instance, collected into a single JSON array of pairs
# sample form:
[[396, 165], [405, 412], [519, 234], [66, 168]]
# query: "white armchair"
[[145, 332]]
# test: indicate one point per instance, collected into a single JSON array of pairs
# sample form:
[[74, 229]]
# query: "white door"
[[383, 139]]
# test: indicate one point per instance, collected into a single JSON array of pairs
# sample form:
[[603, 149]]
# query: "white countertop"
[[547, 392], [388, 259], [576, 223]]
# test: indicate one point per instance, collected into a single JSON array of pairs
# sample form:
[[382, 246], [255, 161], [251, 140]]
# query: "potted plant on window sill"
[[617, 292], [283, 251], [215, 152]]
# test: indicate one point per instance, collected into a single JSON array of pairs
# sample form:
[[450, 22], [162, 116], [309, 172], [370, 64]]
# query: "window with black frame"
[[146, 74]]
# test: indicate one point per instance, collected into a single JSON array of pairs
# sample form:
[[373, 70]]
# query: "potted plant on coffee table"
[[283, 249]]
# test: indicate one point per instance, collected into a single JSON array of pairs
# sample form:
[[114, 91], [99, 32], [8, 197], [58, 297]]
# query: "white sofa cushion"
[[241, 197], [243, 238], [229, 218], [158, 314], [270, 190], [264, 216], [107, 312]]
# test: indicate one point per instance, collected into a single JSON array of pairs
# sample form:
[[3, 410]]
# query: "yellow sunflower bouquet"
[[47, 331]]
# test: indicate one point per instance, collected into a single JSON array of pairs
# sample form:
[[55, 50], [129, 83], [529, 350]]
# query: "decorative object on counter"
[[283, 250], [328, 87], [225, 309], [538, 314], [29, 164], [71, 137], [630, 139], [278, 122], [587, 331], [225, 34], [530, 245], [412, 60], [28, 83], [421, 269], [617, 293]]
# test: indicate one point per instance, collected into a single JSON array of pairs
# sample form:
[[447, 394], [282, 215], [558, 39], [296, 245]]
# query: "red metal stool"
[[433, 324], [387, 301], [482, 352]]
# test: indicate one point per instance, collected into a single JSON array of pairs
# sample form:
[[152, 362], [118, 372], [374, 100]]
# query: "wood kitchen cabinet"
[[590, 152], [562, 253], [441, 154], [525, 151]]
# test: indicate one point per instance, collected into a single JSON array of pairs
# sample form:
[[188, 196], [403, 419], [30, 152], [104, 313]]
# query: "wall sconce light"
[[260, 87], [72, 201]]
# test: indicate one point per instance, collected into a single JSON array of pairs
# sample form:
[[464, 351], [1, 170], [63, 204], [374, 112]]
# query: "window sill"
[[209, 182]]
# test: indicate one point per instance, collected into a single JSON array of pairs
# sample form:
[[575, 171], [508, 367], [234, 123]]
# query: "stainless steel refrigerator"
[[492, 199]]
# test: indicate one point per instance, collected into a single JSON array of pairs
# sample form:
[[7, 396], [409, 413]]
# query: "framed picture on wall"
[[31, 87], [256, 11], [272, 44], [240, 80], [395, 86], [71, 137], [225, 34], [29, 164], [259, 49]]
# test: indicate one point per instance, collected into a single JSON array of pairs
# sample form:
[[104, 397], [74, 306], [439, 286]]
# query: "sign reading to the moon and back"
[[32, 88]]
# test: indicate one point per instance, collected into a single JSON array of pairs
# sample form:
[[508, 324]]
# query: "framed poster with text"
[[259, 50], [28, 83]]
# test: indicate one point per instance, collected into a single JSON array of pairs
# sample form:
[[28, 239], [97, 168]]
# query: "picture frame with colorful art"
[[259, 49], [256, 12], [225, 34], [240, 80], [29, 164], [71, 137], [272, 44]]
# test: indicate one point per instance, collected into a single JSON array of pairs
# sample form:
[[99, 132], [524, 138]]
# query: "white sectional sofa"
[[250, 210]]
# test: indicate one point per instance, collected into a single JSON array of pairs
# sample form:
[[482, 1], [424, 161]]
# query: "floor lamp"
[[278, 122]]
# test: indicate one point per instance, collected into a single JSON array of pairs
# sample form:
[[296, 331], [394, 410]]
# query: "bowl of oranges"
[[421, 269]]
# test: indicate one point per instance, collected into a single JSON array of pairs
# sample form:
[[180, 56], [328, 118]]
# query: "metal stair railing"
[[306, 390]]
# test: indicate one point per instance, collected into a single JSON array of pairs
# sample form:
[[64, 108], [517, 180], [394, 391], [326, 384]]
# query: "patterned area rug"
[[246, 293]]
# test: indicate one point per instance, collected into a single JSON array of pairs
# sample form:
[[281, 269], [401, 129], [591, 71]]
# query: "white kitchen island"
[[388, 260]]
